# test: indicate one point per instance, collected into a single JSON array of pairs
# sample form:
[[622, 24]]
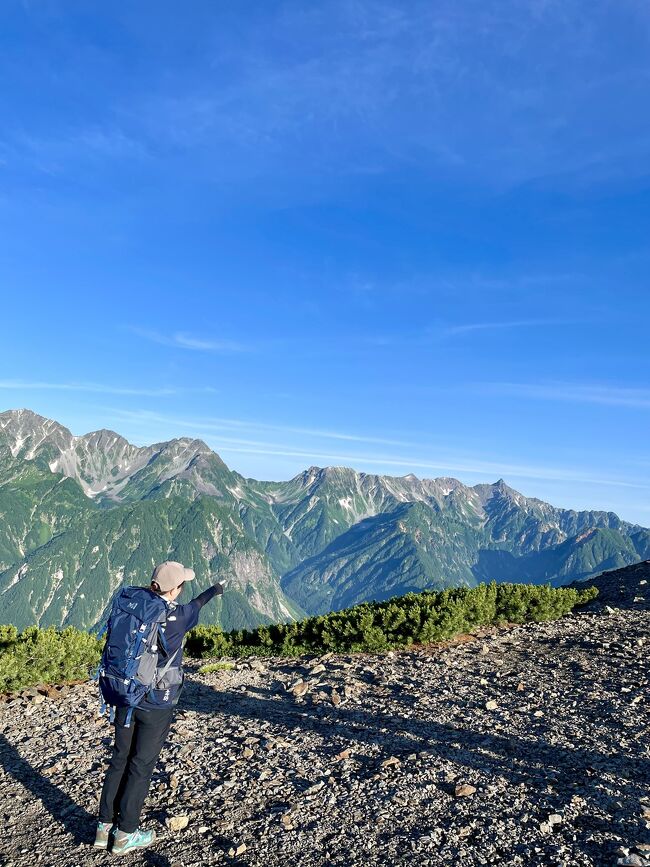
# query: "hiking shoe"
[[124, 842], [102, 834]]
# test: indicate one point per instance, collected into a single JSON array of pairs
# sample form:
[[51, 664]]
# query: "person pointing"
[[141, 731]]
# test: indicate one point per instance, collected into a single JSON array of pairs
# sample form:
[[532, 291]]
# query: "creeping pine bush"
[[56, 656], [216, 666], [416, 618], [45, 656]]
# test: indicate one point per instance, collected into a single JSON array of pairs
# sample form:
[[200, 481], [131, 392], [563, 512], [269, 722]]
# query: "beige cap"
[[170, 574]]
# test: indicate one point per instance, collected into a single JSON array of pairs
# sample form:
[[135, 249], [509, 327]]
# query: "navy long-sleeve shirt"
[[180, 619]]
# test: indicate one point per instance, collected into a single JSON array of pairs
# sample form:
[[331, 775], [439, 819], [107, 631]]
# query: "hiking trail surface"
[[526, 745]]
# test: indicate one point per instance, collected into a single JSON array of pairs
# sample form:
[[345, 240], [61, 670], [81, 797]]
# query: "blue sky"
[[404, 237]]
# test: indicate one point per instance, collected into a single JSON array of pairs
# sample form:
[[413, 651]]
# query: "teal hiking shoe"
[[124, 842], [102, 835]]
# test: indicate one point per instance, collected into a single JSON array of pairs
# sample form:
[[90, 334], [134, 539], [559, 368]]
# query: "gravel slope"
[[520, 746]]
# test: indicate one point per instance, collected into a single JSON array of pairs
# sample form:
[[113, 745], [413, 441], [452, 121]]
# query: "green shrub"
[[56, 656], [208, 641], [216, 666], [8, 636], [399, 622], [45, 656]]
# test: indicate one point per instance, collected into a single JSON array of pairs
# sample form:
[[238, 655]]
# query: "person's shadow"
[[516, 758], [76, 820]]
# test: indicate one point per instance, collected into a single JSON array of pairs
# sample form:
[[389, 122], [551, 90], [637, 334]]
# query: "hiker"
[[142, 722]]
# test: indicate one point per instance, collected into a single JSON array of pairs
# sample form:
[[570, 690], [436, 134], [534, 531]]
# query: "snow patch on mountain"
[[22, 571]]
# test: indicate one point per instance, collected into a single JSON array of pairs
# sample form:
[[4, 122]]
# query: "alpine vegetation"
[[45, 656], [417, 618], [50, 656]]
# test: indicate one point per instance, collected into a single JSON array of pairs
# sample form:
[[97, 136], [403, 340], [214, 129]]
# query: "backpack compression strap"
[[168, 665]]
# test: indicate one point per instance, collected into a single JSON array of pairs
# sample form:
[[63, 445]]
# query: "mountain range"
[[80, 515]]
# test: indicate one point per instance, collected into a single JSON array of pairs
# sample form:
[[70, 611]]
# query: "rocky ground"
[[523, 746]]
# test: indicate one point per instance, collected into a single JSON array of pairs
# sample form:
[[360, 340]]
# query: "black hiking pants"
[[135, 754]]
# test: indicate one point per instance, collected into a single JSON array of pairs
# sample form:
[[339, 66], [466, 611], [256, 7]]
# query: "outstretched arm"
[[207, 595], [187, 615]]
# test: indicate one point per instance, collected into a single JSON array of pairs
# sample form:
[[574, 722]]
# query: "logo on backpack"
[[129, 669]]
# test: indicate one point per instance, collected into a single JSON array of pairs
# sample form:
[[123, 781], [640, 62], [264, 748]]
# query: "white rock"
[[177, 823]]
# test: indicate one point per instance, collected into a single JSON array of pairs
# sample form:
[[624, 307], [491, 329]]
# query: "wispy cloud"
[[220, 425], [439, 331], [53, 155], [215, 430], [471, 466], [95, 387], [183, 340], [385, 84], [635, 398], [496, 326]]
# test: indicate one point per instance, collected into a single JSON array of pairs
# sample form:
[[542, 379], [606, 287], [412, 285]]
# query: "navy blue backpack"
[[129, 668]]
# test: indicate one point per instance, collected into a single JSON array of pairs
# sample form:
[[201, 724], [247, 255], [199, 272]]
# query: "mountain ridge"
[[82, 514]]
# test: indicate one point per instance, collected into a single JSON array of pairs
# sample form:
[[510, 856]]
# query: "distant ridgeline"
[[80, 516], [49, 656]]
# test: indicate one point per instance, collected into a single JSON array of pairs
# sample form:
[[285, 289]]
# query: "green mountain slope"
[[79, 515], [411, 548], [320, 504], [71, 579], [420, 545]]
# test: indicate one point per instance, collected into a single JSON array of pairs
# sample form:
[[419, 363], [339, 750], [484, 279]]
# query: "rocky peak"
[[105, 440], [187, 444], [26, 433], [498, 490], [101, 461], [310, 476]]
